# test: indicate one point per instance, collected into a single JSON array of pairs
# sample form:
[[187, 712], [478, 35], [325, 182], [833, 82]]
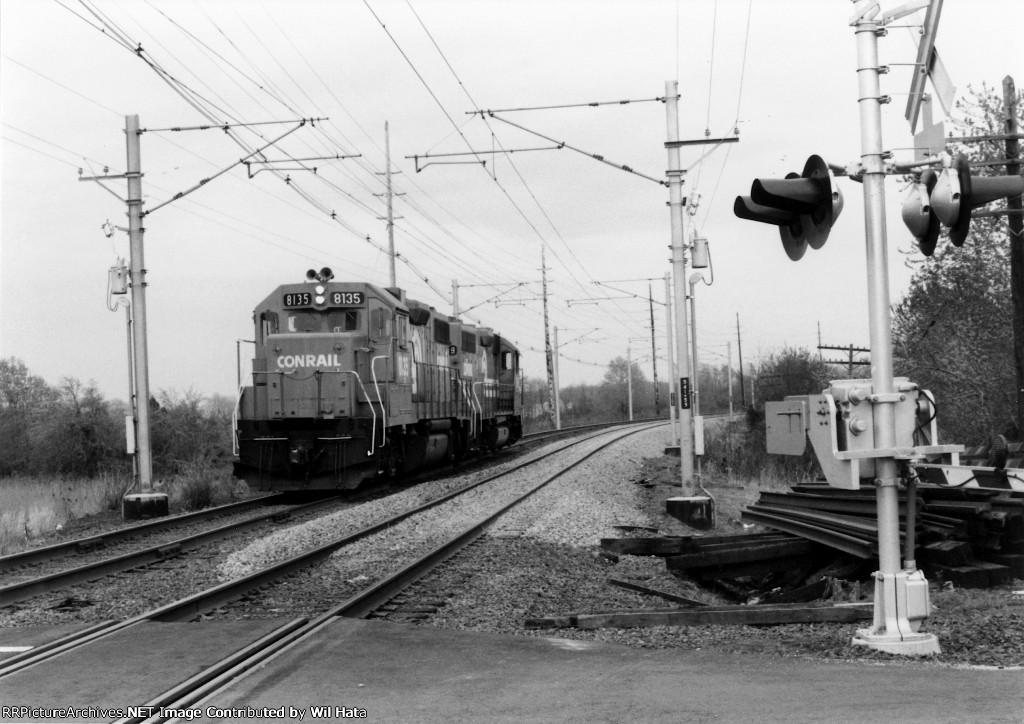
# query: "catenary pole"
[[557, 376], [549, 357], [138, 279], [671, 356], [675, 186]]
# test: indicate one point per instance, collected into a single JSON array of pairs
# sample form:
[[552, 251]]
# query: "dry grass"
[[31, 508]]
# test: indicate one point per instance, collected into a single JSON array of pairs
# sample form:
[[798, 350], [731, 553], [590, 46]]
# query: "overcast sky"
[[782, 72]]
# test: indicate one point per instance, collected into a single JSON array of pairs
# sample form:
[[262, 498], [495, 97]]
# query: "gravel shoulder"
[[544, 559]]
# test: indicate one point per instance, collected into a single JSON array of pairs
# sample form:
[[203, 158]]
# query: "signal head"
[[918, 214]]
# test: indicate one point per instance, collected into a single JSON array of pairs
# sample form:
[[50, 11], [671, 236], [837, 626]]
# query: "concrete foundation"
[[696, 512], [135, 506]]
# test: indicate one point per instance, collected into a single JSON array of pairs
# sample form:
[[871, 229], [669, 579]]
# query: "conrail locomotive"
[[351, 380]]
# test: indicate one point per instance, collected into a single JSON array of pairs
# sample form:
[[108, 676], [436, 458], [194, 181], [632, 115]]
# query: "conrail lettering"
[[308, 360]]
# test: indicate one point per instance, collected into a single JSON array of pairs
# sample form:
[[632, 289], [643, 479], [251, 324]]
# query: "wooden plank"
[[948, 552], [728, 616], [677, 545], [802, 594], [666, 546], [753, 568], [758, 552], [630, 586]]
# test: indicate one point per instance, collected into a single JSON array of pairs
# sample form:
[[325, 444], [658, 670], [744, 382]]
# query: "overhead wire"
[[736, 120], [513, 165]]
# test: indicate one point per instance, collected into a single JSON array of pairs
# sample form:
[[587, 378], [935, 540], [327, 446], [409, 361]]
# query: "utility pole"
[[629, 378], [728, 351], [688, 507], [671, 356], [654, 354], [558, 382], [455, 296], [391, 217], [739, 348], [1015, 223], [850, 362], [547, 336]]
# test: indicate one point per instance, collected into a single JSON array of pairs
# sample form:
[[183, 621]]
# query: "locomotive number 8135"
[[351, 380]]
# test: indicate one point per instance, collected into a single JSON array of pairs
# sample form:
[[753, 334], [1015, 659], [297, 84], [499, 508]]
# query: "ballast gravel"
[[543, 559]]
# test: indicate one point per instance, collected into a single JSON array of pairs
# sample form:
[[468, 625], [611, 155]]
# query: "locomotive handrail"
[[234, 422], [476, 400], [383, 412], [373, 424]]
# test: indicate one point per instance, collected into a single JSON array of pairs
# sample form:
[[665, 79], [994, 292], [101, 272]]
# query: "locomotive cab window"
[[303, 322], [344, 320], [268, 324], [508, 360]]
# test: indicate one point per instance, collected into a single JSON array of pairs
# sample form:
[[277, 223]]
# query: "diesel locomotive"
[[351, 380]]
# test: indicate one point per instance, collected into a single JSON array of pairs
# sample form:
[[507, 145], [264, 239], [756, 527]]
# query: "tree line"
[[70, 429]]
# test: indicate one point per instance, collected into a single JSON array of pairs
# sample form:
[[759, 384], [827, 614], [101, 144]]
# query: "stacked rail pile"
[[974, 538]]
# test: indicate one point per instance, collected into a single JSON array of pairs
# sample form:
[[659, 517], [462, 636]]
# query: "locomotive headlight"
[[320, 299], [320, 289]]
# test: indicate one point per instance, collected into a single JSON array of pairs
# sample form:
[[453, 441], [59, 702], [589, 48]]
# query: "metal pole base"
[[697, 511], [144, 505], [901, 604]]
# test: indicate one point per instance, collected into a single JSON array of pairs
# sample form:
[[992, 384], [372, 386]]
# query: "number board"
[[337, 299], [298, 299], [347, 299]]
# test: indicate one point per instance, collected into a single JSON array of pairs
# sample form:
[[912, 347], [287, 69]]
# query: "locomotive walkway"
[[398, 673]]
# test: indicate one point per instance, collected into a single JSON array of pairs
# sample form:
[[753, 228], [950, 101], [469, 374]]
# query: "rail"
[[195, 604]]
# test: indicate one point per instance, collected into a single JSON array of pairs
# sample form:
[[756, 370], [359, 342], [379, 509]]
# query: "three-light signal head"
[[803, 206]]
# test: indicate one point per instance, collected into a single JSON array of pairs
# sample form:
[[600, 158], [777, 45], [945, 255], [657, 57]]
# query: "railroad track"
[[79, 545], [93, 570], [361, 604], [26, 565]]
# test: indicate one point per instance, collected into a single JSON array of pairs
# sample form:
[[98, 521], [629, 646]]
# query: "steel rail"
[[15, 592], [849, 505], [191, 606], [191, 692], [46, 553], [846, 543]]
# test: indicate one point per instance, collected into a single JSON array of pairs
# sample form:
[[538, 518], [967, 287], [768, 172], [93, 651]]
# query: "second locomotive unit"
[[350, 380]]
